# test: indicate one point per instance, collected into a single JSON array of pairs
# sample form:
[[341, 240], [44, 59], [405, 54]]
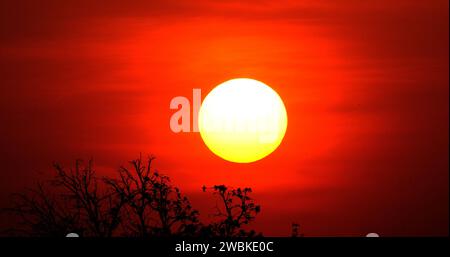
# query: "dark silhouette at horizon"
[[137, 202]]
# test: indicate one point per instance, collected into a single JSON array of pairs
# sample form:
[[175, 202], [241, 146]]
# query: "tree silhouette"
[[41, 215], [99, 210], [156, 205], [76, 204], [138, 202], [235, 209]]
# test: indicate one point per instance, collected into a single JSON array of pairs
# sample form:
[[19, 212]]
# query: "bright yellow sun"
[[242, 120]]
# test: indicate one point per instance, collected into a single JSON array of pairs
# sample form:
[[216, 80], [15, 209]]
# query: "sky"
[[365, 85]]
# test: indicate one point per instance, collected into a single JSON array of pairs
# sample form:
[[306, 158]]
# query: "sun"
[[242, 120]]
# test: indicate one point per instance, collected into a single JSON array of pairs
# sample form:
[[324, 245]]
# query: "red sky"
[[365, 84]]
